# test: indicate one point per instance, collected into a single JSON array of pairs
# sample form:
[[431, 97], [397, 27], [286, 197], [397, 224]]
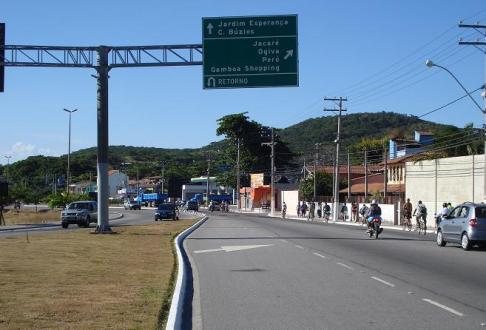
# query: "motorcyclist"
[[373, 212]]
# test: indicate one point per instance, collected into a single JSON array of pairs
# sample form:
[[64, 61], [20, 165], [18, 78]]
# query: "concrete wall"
[[455, 180], [291, 198]]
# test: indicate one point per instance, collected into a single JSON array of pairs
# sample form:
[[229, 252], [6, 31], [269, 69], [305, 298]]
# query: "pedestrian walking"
[[312, 209], [354, 212], [344, 211], [319, 209], [298, 209], [303, 209], [284, 210], [407, 214], [327, 211]]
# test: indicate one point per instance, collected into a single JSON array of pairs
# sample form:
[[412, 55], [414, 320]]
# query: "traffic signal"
[[2, 55]]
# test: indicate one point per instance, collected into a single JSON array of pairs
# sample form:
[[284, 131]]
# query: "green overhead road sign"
[[257, 51]]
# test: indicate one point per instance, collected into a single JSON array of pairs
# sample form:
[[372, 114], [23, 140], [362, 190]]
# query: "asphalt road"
[[263, 273]]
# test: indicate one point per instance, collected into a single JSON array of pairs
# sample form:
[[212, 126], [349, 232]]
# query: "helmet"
[[444, 204], [374, 201]]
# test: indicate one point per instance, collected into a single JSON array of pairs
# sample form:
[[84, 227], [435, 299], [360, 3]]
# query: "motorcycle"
[[375, 227]]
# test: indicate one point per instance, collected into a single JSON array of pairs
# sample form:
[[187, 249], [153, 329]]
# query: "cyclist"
[[420, 212], [442, 214], [374, 211], [407, 214]]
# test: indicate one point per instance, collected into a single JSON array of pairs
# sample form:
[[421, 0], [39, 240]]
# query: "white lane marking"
[[383, 281], [284, 240], [233, 248], [298, 246], [210, 250], [319, 255], [450, 310], [344, 265]]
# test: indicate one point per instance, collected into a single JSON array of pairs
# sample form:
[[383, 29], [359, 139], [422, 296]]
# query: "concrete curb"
[[174, 320]]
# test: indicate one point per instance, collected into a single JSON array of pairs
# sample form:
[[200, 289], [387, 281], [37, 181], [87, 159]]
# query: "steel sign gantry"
[[102, 59]]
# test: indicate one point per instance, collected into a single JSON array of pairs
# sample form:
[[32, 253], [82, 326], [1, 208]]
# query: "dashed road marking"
[[450, 310], [298, 246], [344, 265], [383, 281], [284, 241], [319, 255]]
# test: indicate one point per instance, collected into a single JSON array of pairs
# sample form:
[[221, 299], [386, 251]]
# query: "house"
[[259, 194], [403, 147]]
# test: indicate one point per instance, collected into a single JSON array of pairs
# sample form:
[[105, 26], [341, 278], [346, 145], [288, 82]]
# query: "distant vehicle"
[[166, 211], [192, 206], [81, 213], [132, 205], [155, 198], [465, 225]]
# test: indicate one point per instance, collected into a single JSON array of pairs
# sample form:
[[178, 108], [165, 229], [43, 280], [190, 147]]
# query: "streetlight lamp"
[[430, 64], [69, 150], [8, 166]]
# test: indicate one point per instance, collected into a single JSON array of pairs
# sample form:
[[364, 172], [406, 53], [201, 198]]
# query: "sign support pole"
[[102, 152]]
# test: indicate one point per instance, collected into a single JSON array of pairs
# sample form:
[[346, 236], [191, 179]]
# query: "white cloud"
[[20, 150]]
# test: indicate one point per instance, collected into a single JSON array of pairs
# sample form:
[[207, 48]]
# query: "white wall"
[[445, 180], [291, 198]]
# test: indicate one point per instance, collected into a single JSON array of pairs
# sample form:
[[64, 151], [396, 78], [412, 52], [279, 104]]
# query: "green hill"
[[301, 137]]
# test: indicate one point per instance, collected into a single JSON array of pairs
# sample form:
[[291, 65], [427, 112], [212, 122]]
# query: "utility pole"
[[8, 167], [68, 179], [238, 202], [315, 169], [349, 178], [207, 180], [385, 175], [162, 179], [481, 28], [338, 138], [272, 172], [366, 172]]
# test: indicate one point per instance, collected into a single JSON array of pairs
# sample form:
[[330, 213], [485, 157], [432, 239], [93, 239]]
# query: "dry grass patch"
[[77, 280], [31, 217]]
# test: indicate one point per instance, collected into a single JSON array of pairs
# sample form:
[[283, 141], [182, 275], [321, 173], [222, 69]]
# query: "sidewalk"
[[111, 216], [385, 224]]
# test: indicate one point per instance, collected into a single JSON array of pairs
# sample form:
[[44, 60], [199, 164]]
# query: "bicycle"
[[421, 224], [406, 222]]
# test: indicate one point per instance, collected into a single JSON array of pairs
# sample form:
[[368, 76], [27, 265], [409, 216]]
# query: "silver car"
[[465, 224]]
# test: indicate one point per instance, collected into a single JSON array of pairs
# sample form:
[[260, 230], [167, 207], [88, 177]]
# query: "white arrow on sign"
[[289, 53], [233, 248], [210, 28]]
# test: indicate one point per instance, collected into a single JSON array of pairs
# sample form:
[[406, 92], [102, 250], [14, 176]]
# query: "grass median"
[[31, 216], [77, 280]]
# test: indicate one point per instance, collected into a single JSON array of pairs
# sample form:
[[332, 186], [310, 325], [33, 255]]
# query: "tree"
[[323, 186], [254, 157]]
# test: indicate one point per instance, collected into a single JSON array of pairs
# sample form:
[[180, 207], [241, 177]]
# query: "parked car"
[[132, 205], [166, 211], [192, 206], [81, 213], [465, 225]]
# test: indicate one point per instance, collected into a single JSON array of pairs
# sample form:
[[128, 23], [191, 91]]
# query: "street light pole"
[[69, 150], [8, 167], [430, 64]]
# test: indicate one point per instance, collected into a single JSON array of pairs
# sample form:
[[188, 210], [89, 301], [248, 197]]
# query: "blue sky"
[[372, 52]]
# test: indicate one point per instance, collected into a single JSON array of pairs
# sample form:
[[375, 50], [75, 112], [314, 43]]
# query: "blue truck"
[[156, 198]]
